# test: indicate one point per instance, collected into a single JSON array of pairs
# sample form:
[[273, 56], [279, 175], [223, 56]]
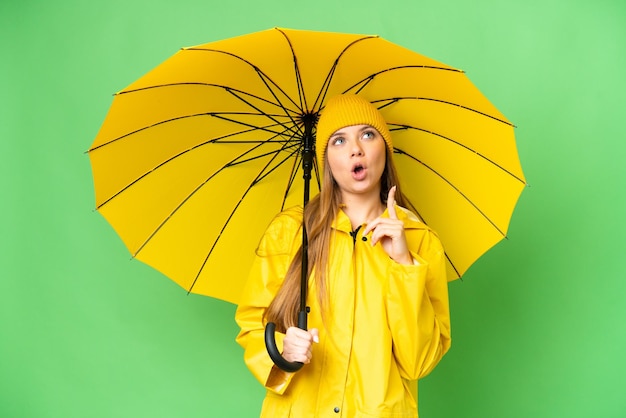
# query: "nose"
[[357, 150]]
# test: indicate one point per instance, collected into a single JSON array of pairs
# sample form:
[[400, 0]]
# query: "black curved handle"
[[272, 350]]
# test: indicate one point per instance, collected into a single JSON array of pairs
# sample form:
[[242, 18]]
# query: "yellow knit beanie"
[[347, 110]]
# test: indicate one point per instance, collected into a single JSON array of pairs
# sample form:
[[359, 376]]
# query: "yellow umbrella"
[[195, 158]]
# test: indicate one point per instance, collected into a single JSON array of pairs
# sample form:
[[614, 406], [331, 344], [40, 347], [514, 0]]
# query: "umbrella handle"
[[272, 350]]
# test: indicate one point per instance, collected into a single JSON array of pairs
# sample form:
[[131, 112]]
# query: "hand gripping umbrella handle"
[[272, 349]]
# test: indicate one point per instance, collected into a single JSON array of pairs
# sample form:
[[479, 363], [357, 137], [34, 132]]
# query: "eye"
[[338, 140], [369, 134]]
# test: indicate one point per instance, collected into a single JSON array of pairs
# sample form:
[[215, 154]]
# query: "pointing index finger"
[[391, 201]]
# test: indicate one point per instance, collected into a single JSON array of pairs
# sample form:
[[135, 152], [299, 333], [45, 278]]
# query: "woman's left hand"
[[390, 232]]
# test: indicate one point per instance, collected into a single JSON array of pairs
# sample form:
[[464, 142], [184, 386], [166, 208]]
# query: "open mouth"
[[358, 172], [357, 169]]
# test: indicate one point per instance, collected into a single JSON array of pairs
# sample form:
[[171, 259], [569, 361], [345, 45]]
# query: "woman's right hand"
[[297, 345]]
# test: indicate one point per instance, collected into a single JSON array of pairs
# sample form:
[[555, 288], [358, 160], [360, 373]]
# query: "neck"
[[362, 208]]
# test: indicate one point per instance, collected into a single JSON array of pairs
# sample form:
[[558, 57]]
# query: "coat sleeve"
[[418, 308], [272, 260]]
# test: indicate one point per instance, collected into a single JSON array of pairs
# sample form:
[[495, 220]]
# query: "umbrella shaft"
[[307, 166]]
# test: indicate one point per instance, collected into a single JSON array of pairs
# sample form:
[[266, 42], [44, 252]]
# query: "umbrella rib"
[[195, 115], [301, 95], [452, 265], [321, 96], [271, 117], [177, 208], [254, 127], [287, 144], [490, 161], [197, 83], [413, 209], [261, 74], [275, 167], [292, 176], [430, 99], [262, 174], [402, 152], [234, 163], [287, 111], [180, 154], [404, 126], [360, 85], [263, 77]]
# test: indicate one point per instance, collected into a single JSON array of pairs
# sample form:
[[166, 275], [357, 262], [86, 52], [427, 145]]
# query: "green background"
[[538, 323]]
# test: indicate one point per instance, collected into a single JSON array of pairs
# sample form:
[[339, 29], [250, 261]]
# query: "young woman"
[[379, 317]]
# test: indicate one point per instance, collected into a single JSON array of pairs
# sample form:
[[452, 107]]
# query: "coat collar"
[[411, 221]]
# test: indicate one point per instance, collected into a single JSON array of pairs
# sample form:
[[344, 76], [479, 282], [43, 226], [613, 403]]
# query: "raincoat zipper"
[[353, 234], [338, 409]]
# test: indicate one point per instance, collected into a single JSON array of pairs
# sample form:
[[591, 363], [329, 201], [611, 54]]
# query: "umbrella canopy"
[[195, 158]]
